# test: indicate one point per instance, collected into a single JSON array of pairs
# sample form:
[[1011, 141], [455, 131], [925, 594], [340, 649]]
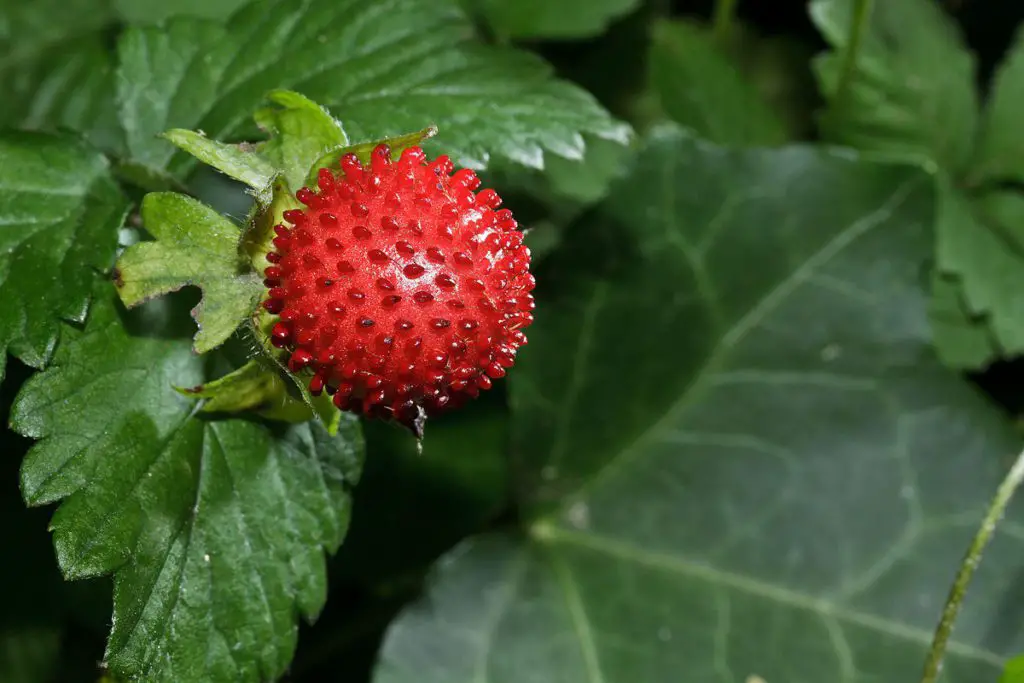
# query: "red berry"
[[398, 286]]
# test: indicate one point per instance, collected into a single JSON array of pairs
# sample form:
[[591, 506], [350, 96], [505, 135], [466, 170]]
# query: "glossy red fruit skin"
[[399, 289]]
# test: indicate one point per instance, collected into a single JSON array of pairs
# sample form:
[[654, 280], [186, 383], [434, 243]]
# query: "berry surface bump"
[[399, 289]]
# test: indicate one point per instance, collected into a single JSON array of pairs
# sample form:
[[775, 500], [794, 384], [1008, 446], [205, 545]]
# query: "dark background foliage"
[[411, 508]]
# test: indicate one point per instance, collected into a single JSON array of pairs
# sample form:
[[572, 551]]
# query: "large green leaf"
[[214, 529], [140, 11], [747, 464], [386, 68], [1000, 154], [56, 69], [542, 19], [701, 87], [59, 215], [912, 92]]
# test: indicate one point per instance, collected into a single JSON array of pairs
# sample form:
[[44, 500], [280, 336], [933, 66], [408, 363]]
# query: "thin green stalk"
[[848, 68], [996, 509], [721, 22]]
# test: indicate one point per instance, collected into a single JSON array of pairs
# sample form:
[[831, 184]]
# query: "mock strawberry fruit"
[[400, 289]]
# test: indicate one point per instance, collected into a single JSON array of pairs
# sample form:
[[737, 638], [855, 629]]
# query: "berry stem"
[[1002, 498]]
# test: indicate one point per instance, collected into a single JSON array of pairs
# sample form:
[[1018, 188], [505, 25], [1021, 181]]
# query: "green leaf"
[[1000, 153], [384, 68], [1014, 671], [55, 70], [214, 529], [961, 340], [301, 133], [977, 245], [700, 87], [252, 387], [59, 214], [194, 245], [526, 19], [240, 162], [65, 86], [739, 472], [898, 101], [152, 11], [1003, 210]]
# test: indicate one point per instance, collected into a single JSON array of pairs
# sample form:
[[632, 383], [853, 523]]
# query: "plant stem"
[[858, 22], [721, 22], [1013, 479]]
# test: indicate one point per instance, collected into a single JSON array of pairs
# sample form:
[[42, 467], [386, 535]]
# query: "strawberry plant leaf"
[[696, 435], [700, 87], [55, 69], [70, 87], [961, 340], [385, 68], [532, 19], [977, 246], [1000, 152], [59, 214], [194, 245], [214, 529], [152, 11], [897, 101], [240, 162]]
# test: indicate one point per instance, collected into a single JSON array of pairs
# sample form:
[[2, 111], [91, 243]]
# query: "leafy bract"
[[732, 472], [59, 215], [541, 19], [257, 386], [194, 245], [214, 529], [899, 100], [301, 133], [385, 68], [240, 162], [701, 88]]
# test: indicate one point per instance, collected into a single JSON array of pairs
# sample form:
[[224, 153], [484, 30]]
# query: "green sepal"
[[197, 246], [241, 162], [301, 132], [256, 386], [362, 150], [322, 406]]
